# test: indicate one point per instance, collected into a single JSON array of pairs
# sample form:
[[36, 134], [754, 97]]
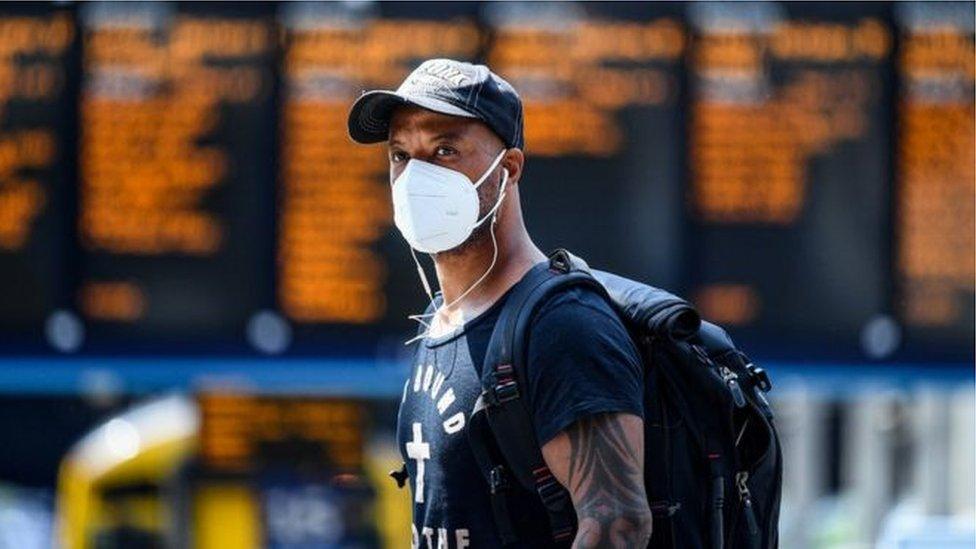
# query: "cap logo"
[[445, 72]]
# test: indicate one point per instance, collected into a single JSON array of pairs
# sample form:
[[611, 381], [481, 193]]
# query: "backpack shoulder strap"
[[509, 337], [504, 382]]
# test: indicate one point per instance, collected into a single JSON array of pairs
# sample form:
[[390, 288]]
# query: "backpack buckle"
[[760, 376]]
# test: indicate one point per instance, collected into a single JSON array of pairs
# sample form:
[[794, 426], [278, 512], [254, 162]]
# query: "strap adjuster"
[[497, 480], [558, 505], [500, 394], [506, 391], [505, 388], [552, 493]]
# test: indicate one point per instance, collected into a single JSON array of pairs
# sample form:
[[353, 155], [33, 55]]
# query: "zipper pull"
[[746, 498], [730, 378], [664, 508], [732, 382], [740, 481]]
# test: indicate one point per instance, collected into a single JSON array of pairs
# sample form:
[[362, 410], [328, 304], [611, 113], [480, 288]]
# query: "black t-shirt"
[[581, 361]]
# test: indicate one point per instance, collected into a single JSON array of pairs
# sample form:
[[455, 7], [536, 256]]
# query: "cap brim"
[[369, 118]]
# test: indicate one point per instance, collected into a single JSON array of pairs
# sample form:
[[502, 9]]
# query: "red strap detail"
[[562, 534]]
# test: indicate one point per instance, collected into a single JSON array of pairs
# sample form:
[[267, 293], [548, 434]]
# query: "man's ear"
[[513, 161]]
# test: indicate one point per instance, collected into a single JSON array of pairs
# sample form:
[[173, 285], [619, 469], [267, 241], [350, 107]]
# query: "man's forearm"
[[601, 464]]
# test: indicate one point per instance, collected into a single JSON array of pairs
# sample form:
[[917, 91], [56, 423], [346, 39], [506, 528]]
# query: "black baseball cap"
[[446, 86]]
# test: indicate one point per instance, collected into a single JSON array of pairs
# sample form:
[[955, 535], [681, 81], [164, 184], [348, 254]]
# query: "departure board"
[[935, 170], [789, 167], [242, 432], [177, 178], [37, 44], [339, 261], [176, 168], [602, 86]]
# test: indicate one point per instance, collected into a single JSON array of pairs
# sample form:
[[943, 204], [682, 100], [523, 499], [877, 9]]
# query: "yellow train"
[[230, 472]]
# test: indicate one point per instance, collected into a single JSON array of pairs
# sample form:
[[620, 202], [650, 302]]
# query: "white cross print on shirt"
[[419, 451]]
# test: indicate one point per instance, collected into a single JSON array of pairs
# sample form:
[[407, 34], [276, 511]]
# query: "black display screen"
[[789, 157], [38, 71], [176, 169], [177, 177]]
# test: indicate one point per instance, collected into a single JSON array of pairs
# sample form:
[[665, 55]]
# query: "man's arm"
[[600, 460]]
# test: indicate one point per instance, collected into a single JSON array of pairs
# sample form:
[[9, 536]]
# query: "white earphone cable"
[[423, 277]]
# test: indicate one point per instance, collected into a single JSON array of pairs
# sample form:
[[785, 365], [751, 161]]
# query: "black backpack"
[[713, 470]]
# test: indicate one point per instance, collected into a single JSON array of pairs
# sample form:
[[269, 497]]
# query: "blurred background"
[[204, 304]]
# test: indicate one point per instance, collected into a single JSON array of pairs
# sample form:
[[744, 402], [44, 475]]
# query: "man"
[[455, 139]]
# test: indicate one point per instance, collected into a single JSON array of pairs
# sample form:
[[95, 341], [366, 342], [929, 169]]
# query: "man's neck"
[[456, 273]]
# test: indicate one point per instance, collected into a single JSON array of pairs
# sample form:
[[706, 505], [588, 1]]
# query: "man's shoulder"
[[581, 360], [577, 308]]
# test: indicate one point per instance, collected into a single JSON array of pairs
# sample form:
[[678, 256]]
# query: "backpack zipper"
[[745, 498], [729, 378]]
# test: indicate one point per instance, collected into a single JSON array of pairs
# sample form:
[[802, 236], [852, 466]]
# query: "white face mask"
[[436, 208]]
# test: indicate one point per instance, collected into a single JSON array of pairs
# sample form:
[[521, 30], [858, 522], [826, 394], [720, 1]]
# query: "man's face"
[[462, 144]]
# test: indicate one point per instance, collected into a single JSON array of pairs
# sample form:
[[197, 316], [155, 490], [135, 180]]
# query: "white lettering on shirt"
[[461, 538], [428, 379], [454, 423], [438, 383], [417, 377], [446, 400]]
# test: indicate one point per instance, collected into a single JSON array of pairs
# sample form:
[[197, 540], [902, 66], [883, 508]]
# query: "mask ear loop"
[[494, 259], [494, 164]]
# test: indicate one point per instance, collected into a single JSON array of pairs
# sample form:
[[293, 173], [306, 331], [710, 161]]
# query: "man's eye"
[[398, 156], [445, 151]]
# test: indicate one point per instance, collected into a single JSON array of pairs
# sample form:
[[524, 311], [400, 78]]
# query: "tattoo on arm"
[[600, 461]]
